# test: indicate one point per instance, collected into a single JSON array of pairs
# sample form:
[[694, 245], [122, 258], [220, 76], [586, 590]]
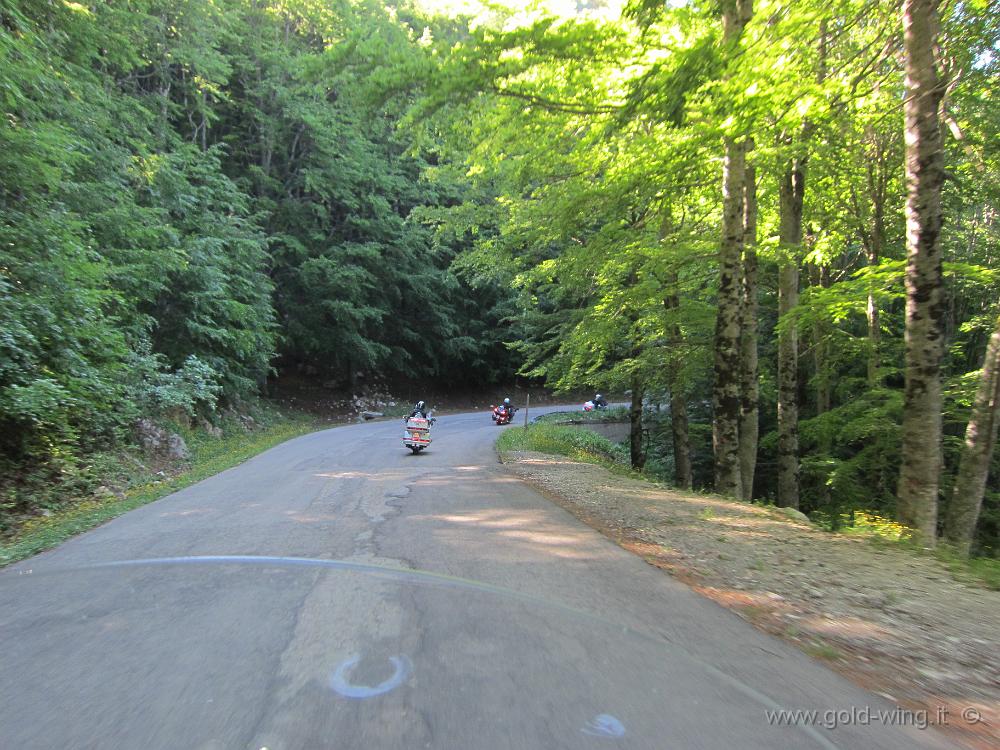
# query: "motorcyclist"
[[508, 406], [419, 410], [600, 402]]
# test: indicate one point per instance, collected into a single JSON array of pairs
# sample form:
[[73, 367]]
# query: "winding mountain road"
[[337, 592]]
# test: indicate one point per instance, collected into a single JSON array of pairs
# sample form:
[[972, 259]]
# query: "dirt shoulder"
[[892, 620]]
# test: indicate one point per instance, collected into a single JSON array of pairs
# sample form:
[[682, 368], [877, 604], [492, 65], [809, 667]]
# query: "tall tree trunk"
[[636, 453], [728, 372], [726, 389], [921, 437], [791, 194], [749, 389], [980, 440]]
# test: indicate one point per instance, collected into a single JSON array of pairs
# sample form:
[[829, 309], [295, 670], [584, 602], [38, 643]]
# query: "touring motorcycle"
[[417, 434], [503, 414]]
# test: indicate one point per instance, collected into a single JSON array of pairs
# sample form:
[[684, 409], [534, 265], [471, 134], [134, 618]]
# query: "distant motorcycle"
[[502, 414], [417, 434], [591, 406]]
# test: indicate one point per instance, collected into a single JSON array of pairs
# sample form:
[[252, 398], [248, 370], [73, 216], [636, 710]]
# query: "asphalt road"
[[338, 592]]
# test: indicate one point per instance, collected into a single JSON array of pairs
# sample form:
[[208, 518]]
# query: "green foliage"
[[191, 389], [192, 189], [598, 193], [73, 507], [195, 194]]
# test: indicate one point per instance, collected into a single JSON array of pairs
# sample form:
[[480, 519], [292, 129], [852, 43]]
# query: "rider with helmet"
[[419, 410], [600, 402], [503, 411]]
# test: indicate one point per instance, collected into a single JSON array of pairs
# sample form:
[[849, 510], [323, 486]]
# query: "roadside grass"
[[209, 456], [613, 414], [547, 435], [821, 650], [559, 440], [982, 570]]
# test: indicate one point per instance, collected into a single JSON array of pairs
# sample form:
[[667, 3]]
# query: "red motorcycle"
[[502, 415]]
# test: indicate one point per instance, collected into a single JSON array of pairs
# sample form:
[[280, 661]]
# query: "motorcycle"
[[502, 415], [417, 434], [591, 406]]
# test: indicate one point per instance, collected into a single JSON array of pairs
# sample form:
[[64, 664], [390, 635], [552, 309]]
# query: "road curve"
[[338, 592]]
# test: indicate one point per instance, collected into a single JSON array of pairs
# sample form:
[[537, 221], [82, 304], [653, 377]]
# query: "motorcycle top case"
[[417, 431]]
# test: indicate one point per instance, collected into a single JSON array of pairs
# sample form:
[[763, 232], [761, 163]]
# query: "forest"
[[773, 224]]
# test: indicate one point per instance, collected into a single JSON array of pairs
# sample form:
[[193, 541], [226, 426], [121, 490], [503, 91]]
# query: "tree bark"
[[974, 464], [791, 195], [636, 454], [726, 392], [749, 389], [726, 389], [921, 435]]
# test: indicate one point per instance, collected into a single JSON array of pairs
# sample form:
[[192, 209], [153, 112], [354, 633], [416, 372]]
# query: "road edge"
[[49, 532]]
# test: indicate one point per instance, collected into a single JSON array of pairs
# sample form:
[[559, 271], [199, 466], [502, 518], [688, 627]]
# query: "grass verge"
[[573, 442], [982, 570], [614, 414], [209, 456]]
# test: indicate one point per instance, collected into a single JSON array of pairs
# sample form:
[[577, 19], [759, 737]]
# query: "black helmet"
[[420, 405], [597, 397]]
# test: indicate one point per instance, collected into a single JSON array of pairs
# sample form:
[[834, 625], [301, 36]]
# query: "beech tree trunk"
[[726, 389], [921, 436], [980, 440], [728, 325], [791, 194], [749, 389]]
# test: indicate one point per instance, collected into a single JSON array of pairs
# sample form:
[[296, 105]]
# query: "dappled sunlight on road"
[[301, 517], [374, 475], [490, 518], [533, 531]]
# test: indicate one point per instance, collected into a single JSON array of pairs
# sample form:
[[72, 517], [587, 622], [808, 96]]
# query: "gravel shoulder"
[[890, 619]]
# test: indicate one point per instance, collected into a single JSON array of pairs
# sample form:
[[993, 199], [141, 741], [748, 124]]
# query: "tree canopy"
[[717, 206]]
